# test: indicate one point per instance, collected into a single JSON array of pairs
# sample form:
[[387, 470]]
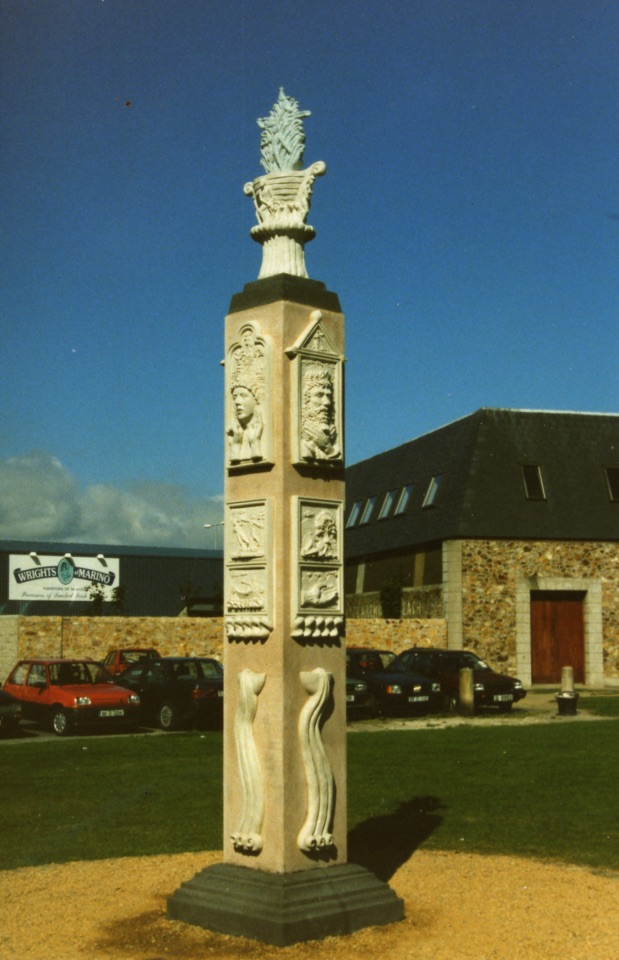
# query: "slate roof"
[[482, 493]]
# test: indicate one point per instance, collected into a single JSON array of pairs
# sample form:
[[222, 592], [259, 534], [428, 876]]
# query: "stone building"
[[506, 524]]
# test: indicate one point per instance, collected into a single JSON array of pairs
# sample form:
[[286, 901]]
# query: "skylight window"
[[612, 479], [368, 510], [433, 491], [355, 511], [403, 500], [533, 482], [387, 504]]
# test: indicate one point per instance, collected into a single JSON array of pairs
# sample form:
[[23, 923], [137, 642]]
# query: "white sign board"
[[61, 578]]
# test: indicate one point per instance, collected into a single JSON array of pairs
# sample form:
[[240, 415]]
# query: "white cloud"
[[41, 500]]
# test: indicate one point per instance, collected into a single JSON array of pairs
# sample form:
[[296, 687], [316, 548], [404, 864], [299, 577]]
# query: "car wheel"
[[61, 722], [168, 716]]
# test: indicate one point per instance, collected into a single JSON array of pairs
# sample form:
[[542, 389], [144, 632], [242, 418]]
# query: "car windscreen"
[[78, 672], [465, 659], [211, 669]]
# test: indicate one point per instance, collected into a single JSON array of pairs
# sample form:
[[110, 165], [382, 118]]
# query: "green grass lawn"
[[547, 790]]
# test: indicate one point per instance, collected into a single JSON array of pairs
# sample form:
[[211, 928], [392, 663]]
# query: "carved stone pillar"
[[285, 875]]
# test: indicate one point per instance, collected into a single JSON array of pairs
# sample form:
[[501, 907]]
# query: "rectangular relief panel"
[[248, 589], [317, 397], [248, 412], [318, 588]]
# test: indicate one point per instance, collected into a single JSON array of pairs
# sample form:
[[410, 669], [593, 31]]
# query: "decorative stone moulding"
[[248, 628], [318, 596], [315, 834], [317, 415], [247, 837], [248, 416], [282, 202], [248, 591], [317, 628]]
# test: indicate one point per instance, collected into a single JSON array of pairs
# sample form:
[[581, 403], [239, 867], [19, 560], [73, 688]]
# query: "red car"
[[116, 661], [68, 693]]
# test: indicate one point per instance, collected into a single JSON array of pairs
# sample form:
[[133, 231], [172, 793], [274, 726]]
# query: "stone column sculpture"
[[285, 875]]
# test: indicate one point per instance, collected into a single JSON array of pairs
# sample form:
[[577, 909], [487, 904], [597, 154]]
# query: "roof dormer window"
[[433, 491], [403, 500], [533, 481], [387, 504], [368, 510], [355, 510], [612, 480]]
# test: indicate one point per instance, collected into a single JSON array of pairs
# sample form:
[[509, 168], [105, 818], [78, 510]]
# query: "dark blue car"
[[393, 690], [177, 691]]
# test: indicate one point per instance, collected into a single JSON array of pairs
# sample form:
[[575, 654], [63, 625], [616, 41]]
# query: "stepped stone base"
[[283, 909]]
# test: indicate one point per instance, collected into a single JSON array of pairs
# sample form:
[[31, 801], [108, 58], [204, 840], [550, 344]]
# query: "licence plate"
[[502, 697], [350, 698], [220, 693], [418, 699], [111, 713]]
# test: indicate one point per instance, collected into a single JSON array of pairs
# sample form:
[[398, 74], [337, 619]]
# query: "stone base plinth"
[[283, 909]]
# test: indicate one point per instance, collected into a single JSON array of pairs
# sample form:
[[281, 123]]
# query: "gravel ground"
[[458, 906]]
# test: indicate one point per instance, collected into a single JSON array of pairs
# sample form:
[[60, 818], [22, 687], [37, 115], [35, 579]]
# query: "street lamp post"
[[211, 526]]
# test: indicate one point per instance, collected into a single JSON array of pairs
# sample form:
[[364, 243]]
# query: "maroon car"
[[118, 659]]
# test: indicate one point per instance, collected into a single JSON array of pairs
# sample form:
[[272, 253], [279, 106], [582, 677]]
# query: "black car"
[[10, 715], [393, 689], [490, 689], [359, 700], [177, 690]]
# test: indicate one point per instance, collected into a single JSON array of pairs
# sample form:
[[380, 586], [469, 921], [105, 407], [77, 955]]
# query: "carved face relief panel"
[[247, 594], [319, 530], [248, 407], [318, 589], [317, 425]]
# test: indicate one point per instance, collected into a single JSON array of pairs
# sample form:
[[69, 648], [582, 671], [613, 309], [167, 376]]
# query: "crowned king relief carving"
[[248, 403]]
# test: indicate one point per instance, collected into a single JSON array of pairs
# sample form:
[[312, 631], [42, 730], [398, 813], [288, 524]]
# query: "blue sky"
[[468, 220]]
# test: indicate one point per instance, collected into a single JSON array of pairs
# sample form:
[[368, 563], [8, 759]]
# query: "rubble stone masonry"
[[22, 637], [495, 572]]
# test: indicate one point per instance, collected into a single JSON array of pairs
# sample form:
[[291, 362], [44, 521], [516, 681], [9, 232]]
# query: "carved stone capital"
[[282, 202]]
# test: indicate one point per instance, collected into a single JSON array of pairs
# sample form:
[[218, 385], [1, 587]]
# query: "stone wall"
[[396, 635], [8, 644], [491, 570], [22, 637]]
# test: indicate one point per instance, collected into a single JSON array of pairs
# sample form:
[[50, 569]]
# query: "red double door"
[[557, 635]]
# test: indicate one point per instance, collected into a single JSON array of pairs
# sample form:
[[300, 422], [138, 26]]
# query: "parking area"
[[539, 706]]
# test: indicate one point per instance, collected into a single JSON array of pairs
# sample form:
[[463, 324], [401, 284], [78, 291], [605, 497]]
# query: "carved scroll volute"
[[315, 834], [248, 838]]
